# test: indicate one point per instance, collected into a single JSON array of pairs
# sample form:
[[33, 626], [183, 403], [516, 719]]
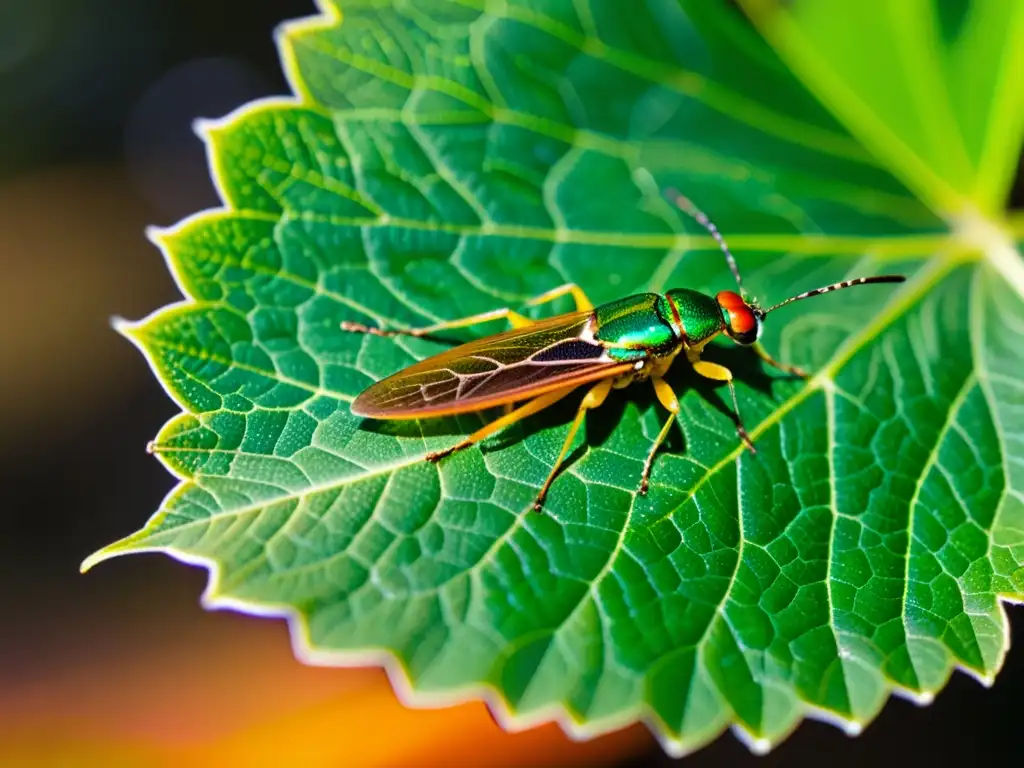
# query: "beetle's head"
[[742, 319]]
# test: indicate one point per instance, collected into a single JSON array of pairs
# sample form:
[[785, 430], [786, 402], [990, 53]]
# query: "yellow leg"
[[516, 320], [595, 397], [791, 369], [668, 399], [721, 373], [530, 408], [582, 302]]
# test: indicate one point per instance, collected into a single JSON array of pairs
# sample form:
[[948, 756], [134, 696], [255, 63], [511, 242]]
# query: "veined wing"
[[494, 370]]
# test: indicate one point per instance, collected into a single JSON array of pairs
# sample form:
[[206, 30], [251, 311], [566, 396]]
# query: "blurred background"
[[122, 666]]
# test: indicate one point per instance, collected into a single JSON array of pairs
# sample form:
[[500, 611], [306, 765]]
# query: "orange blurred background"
[[122, 666]]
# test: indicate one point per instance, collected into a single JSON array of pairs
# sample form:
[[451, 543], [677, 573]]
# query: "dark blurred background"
[[122, 666]]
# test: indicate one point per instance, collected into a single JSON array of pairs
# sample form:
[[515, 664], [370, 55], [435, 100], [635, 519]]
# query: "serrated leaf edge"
[[967, 239]]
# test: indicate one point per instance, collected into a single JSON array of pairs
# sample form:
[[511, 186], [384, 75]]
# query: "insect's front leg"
[[790, 369], [515, 319], [718, 372]]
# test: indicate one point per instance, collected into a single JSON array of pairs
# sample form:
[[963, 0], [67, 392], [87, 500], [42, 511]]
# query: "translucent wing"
[[494, 370]]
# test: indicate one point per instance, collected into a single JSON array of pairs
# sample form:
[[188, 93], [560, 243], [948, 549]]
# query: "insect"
[[539, 362]]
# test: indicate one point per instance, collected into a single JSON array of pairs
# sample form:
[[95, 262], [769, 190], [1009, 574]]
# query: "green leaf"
[[938, 97], [446, 157]]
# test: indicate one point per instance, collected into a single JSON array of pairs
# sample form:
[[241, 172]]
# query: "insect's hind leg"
[[720, 373], [528, 409], [515, 319], [582, 302], [595, 396], [668, 399]]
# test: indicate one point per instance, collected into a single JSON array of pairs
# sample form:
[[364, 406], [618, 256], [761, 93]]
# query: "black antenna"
[[834, 287], [686, 205]]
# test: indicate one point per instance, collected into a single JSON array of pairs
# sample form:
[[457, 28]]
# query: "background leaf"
[[447, 157]]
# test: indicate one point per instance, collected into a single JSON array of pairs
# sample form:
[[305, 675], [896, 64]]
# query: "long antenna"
[[834, 287], [686, 205]]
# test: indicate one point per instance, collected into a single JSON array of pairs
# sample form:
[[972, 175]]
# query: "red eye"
[[742, 321], [741, 318], [730, 300]]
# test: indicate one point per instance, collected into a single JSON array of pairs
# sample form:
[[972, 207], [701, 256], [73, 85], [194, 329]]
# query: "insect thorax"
[[636, 326], [699, 314]]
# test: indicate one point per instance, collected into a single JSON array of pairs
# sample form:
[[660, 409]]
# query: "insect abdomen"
[[635, 326]]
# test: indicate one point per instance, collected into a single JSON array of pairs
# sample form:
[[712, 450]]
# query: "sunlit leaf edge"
[[213, 598]]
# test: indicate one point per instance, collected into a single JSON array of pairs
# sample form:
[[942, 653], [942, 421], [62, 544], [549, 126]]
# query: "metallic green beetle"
[[609, 347]]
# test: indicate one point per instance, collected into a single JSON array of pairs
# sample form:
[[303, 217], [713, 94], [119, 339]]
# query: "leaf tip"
[[204, 128], [920, 698], [157, 235], [853, 728], [97, 557], [123, 326], [89, 562], [758, 745], [136, 542]]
